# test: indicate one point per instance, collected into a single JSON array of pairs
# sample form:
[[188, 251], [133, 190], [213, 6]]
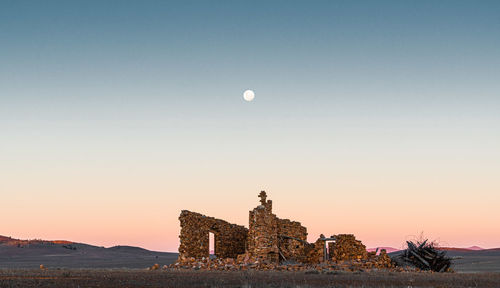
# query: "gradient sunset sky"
[[377, 118]]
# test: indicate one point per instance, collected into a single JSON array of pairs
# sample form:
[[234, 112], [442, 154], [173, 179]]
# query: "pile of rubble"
[[351, 256], [373, 262]]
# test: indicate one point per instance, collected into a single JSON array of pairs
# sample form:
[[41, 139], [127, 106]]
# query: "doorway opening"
[[326, 249], [211, 245]]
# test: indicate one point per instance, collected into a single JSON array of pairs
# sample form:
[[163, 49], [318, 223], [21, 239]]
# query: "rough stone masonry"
[[268, 239]]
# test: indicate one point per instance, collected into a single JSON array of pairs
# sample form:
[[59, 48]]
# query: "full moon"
[[248, 95]]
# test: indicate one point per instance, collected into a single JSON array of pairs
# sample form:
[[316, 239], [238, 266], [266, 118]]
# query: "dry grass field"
[[123, 266], [141, 278]]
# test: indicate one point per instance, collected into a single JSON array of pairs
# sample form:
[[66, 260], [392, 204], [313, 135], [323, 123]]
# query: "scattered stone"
[[154, 267]]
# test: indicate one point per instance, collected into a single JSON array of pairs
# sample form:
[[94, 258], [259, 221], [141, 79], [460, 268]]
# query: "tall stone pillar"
[[263, 232]]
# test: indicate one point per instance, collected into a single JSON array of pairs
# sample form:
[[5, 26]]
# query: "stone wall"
[[230, 239], [314, 252], [346, 247], [263, 232], [292, 239]]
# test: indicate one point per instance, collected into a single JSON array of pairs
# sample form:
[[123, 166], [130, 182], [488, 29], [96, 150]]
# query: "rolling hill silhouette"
[[16, 253]]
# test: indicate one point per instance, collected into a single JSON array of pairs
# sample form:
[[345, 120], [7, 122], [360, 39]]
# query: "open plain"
[[142, 278], [123, 266]]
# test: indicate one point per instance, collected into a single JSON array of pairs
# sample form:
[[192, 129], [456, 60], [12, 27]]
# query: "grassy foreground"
[[140, 278]]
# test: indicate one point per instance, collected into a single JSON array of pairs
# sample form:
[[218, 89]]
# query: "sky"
[[377, 118]]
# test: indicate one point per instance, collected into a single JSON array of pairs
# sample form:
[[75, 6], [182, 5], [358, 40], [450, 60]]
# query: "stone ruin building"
[[268, 239]]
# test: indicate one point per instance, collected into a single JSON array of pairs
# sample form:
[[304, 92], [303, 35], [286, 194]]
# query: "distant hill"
[[4, 238], [16, 253], [387, 249], [475, 248], [472, 248], [9, 241], [391, 249]]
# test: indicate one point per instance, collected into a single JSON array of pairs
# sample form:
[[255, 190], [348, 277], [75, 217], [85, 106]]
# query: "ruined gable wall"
[[291, 249], [230, 239]]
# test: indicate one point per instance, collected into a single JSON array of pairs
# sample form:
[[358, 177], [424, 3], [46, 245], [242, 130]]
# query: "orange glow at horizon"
[[151, 220]]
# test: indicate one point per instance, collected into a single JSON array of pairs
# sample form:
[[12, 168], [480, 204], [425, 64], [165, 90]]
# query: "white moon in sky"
[[248, 95]]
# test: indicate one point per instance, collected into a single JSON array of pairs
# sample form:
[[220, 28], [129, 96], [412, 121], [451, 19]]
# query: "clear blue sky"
[[369, 100]]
